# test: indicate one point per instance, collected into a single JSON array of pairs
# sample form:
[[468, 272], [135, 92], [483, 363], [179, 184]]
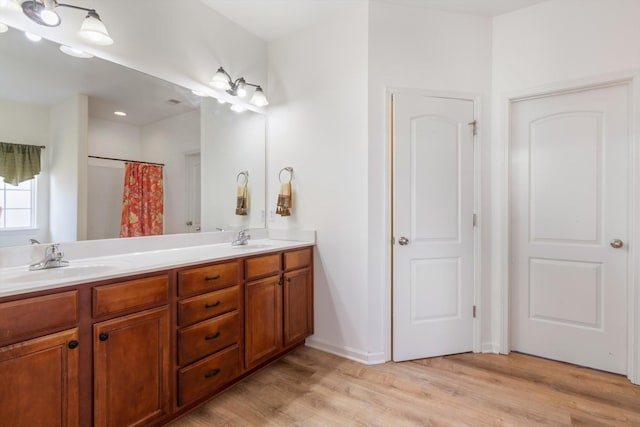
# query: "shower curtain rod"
[[125, 160]]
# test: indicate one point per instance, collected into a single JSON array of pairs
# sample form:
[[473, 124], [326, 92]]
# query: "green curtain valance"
[[19, 162]]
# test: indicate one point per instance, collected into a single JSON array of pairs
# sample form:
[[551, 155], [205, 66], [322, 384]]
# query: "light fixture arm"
[[71, 6]]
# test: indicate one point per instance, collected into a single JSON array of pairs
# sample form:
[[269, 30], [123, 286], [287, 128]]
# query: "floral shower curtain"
[[142, 200]]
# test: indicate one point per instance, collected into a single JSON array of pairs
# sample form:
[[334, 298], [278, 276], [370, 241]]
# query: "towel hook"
[[244, 174], [288, 169]]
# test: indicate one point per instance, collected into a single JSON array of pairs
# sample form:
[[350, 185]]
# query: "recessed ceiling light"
[[77, 53], [120, 113], [32, 37], [238, 108], [3, 27]]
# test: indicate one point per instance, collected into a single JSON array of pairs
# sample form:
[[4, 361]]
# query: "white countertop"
[[18, 280]]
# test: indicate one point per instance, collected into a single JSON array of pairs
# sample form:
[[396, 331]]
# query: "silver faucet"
[[52, 259], [242, 239]]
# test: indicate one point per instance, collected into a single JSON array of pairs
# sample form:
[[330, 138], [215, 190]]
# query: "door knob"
[[403, 241], [616, 243]]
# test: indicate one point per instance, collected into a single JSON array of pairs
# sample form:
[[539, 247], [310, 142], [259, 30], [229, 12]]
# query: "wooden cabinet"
[[210, 329], [39, 381], [143, 350], [131, 353], [298, 306], [279, 308], [131, 369]]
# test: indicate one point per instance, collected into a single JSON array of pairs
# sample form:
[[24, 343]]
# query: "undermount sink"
[[255, 246], [70, 272]]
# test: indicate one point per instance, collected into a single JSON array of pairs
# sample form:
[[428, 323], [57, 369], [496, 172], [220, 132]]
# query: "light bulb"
[[241, 91], [258, 99], [220, 80]]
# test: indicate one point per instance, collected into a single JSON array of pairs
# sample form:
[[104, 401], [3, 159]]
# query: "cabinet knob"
[[288, 279], [280, 283], [73, 344], [103, 336], [212, 373]]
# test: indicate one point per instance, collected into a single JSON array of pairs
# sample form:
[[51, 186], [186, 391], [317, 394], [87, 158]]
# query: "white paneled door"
[[433, 200], [569, 220]]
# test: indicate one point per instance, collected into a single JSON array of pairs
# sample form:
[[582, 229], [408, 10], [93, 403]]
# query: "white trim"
[[346, 352], [476, 99], [502, 203]]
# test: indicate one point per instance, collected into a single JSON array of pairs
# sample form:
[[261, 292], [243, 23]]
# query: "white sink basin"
[[254, 246], [69, 272]]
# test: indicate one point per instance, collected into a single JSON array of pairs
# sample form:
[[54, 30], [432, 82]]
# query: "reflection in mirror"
[[232, 146], [68, 104]]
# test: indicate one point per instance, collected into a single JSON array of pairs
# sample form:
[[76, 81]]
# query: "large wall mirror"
[[68, 104]]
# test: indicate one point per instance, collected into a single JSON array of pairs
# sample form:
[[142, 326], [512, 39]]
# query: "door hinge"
[[474, 311], [475, 220], [475, 126]]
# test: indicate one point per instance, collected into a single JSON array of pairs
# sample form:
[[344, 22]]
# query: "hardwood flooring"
[[312, 388]]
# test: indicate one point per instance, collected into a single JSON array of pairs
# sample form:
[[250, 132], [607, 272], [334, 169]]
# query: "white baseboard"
[[346, 352], [490, 347]]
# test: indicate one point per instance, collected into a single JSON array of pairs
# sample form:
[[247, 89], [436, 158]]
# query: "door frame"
[[502, 208], [476, 99]]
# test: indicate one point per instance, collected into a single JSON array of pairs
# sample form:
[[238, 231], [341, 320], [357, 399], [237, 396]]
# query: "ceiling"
[[272, 19]]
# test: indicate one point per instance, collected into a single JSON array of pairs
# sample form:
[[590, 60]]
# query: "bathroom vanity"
[[142, 345]]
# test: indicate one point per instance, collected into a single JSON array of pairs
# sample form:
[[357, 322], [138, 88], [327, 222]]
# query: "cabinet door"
[[131, 369], [39, 381], [298, 306], [263, 308]]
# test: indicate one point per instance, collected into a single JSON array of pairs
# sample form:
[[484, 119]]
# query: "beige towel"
[[242, 201], [284, 200]]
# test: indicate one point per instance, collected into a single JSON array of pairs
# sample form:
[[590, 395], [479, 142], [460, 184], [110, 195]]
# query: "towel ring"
[[244, 174], [287, 169]]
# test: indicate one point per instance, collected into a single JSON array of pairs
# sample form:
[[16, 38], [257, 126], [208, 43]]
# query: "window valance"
[[19, 162]]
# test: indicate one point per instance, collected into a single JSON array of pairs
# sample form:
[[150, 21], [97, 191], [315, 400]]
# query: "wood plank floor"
[[312, 388]]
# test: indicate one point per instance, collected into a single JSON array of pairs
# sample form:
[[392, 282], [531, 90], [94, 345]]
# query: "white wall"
[[231, 143], [167, 141], [68, 169], [28, 124], [411, 47], [317, 124]]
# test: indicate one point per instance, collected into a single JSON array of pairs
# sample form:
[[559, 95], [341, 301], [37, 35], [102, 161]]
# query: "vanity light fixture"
[[43, 12], [221, 80]]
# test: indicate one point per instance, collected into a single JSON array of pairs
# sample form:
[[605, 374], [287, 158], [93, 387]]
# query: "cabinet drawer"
[[30, 316], [297, 259], [109, 299], [262, 266], [195, 309], [206, 279], [205, 377], [204, 338]]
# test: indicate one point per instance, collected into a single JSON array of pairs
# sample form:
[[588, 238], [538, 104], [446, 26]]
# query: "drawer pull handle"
[[212, 337], [215, 304], [216, 277], [103, 336], [73, 344], [212, 373]]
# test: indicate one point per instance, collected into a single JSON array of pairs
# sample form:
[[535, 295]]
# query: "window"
[[17, 205]]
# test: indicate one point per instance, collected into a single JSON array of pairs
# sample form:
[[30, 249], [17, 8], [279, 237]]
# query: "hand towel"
[[284, 200], [242, 201]]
